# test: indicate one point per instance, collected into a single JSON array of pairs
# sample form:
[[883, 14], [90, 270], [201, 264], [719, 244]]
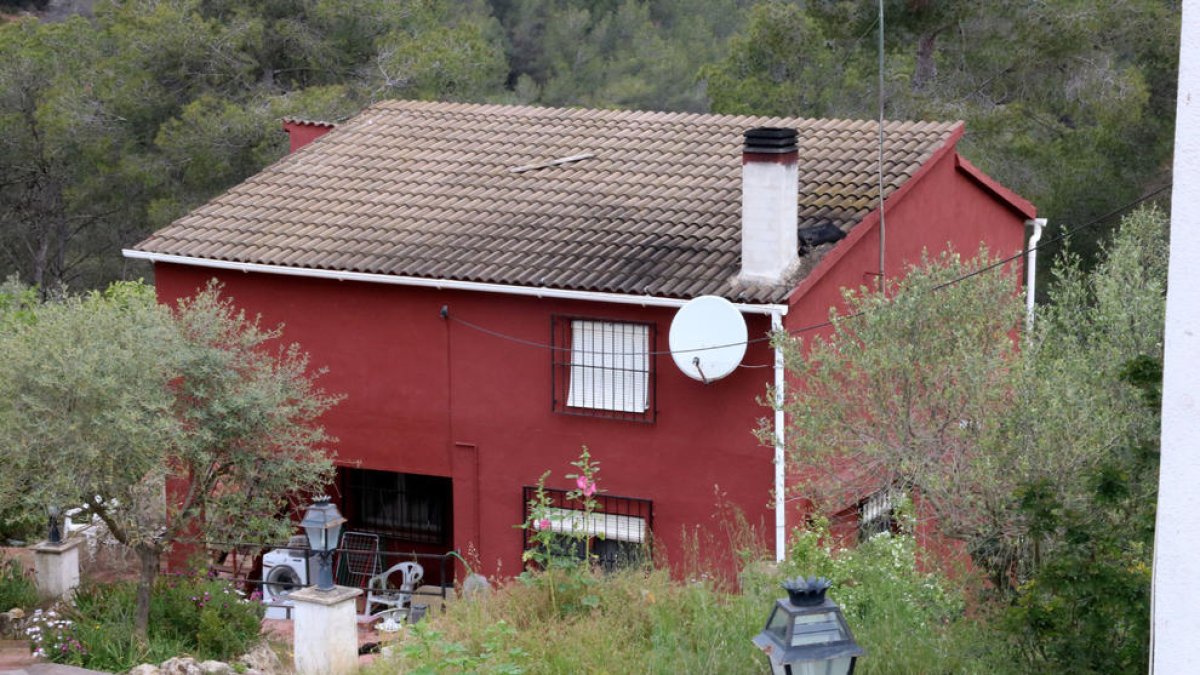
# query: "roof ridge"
[[651, 116]]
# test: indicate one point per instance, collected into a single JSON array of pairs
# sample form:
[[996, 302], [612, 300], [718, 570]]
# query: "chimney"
[[770, 190], [302, 132]]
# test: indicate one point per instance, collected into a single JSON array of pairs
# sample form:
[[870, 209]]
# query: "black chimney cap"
[[773, 140]]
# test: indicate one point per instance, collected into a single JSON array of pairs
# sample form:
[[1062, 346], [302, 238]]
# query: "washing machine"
[[284, 570]]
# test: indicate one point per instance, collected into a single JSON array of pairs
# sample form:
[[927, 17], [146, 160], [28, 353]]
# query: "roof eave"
[[441, 284], [1018, 204], [871, 220]]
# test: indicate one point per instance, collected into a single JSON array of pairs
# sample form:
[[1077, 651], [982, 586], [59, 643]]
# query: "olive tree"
[[1009, 441], [107, 396], [913, 390]]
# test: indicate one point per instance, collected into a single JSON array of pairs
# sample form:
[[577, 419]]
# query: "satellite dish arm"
[[696, 362]]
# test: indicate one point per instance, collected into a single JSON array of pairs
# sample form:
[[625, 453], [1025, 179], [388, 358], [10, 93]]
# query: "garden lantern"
[[806, 634], [54, 537], [322, 524]]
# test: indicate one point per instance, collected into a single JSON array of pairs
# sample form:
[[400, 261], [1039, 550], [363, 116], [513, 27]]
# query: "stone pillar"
[[325, 631], [57, 568]]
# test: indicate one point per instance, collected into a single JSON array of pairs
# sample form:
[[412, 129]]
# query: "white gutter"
[[780, 484], [1031, 270], [441, 284]]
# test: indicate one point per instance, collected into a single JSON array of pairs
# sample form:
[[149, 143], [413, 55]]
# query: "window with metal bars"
[[405, 506], [603, 368], [877, 513], [618, 529]]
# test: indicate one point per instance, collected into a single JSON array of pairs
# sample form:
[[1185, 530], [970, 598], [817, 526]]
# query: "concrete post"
[[57, 567], [1175, 601], [326, 631]]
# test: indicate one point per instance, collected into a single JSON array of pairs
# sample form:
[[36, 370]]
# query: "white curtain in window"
[[618, 528], [610, 366]]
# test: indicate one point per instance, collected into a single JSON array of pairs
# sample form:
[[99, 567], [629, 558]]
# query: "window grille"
[[402, 506], [603, 368], [877, 513], [619, 529]]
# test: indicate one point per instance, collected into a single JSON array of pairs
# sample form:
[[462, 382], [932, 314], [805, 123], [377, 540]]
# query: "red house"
[[493, 286]]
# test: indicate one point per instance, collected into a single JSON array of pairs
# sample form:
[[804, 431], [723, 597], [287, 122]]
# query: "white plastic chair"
[[379, 593]]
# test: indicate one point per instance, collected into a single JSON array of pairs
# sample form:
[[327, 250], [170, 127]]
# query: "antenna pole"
[[882, 223]]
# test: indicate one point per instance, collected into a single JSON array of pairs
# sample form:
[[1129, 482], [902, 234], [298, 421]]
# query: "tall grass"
[[17, 587], [646, 622], [566, 616]]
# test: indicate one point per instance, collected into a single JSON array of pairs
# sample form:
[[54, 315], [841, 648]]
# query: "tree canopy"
[[114, 124], [104, 397]]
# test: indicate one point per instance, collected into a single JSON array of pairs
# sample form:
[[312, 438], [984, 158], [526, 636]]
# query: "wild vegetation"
[[113, 124], [565, 615], [201, 617], [17, 586], [925, 392]]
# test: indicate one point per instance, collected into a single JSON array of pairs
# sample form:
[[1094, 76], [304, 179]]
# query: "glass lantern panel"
[[838, 666], [334, 535], [777, 625], [817, 629], [316, 537]]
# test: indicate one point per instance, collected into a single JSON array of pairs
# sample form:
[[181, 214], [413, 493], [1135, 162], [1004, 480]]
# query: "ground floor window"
[[404, 506], [877, 513], [618, 530]]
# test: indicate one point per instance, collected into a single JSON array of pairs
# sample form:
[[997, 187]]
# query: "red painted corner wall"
[[945, 209]]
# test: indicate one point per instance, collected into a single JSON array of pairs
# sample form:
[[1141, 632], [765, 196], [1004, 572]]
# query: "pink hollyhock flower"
[[588, 487], [543, 524]]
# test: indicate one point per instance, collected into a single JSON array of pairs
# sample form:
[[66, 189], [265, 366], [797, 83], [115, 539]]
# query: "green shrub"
[[908, 620], [204, 618], [642, 621], [19, 523], [17, 587], [226, 627]]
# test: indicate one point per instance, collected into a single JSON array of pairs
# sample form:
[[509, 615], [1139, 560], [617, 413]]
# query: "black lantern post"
[[806, 634], [54, 536], [322, 524]]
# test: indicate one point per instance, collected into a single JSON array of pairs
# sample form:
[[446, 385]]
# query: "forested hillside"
[[121, 118]]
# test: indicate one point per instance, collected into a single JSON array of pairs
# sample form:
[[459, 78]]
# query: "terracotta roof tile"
[[426, 189]]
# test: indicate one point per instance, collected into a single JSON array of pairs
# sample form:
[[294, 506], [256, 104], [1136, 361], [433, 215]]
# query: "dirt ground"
[[22, 554], [279, 632]]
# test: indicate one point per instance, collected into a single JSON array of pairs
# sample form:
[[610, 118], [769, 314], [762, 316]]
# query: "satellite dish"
[[708, 338]]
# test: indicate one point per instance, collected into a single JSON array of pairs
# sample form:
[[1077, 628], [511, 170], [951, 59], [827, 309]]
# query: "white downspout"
[[1031, 270], [780, 485]]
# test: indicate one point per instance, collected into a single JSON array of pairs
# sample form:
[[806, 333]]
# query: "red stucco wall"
[[301, 134], [429, 396], [945, 207]]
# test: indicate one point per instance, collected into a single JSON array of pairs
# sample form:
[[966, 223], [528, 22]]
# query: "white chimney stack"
[[770, 190]]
